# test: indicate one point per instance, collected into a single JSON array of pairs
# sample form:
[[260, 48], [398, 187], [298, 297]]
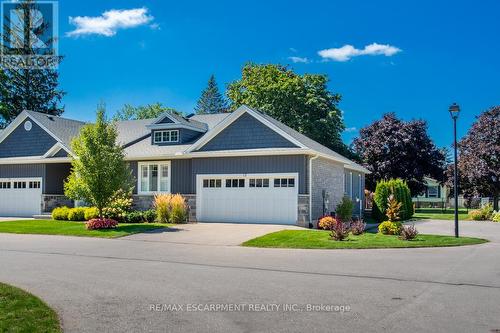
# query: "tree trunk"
[[495, 202]]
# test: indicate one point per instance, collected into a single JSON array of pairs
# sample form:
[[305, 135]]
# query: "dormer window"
[[166, 136]]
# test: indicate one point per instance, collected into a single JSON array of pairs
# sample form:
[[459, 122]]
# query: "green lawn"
[[51, 227], [317, 239], [439, 214], [23, 312]]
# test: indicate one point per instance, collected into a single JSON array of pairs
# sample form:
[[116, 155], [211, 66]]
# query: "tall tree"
[[302, 102], [479, 158], [129, 112], [392, 148], [24, 88], [99, 169], [211, 100]]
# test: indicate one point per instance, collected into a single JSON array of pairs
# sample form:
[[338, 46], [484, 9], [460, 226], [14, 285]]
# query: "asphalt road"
[[153, 285]]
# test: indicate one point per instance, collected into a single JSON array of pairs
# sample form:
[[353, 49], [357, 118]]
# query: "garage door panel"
[[248, 204], [20, 196]]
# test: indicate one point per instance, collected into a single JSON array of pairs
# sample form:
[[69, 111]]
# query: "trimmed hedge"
[[401, 192]]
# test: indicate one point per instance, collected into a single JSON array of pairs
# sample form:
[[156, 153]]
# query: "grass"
[[318, 239], [22, 312], [439, 214], [65, 228]]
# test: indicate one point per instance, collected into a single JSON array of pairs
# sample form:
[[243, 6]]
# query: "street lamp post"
[[454, 112]]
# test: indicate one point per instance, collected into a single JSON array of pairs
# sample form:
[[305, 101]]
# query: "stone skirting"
[[144, 202], [51, 201], [303, 211]]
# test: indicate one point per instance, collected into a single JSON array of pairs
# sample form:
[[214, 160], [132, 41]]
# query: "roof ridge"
[[55, 116]]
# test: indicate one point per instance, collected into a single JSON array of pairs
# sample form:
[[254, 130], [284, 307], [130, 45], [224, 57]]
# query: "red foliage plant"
[[99, 223]]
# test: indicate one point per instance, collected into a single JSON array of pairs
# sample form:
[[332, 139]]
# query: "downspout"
[[310, 188]]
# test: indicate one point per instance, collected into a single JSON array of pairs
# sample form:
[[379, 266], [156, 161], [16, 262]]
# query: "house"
[[435, 195], [235, 167]]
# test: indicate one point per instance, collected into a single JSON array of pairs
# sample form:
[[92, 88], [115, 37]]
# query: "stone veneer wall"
[[303, 211], [329, 176], [144, 202], [51, 201]]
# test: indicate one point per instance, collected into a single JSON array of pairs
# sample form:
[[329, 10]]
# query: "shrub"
[[408, 232], [99, 223], [344, 209], [76, 214], [60, 213], [495, 217], [162, 205], [390, 228], [91, 213], [487, 211], [119, 206], [358, 227], [135, 216], [483, 214], [149, 215], [401, 192], [393, 209], [338, 230], [476, 215], [326, 222]]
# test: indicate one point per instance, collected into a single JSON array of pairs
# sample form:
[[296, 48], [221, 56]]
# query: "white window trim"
[[159, 163], [170, 135], [437, 191]]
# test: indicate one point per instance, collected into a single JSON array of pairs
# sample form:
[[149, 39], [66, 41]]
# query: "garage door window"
[[259, 182], [4, 185], [235, 183], [34, 184], [19, 185], [212, 183], [284, 182]]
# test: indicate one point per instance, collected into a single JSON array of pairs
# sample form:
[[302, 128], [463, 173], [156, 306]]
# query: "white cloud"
[[299, 59], [346, 52], [351, 129], [109, 22]]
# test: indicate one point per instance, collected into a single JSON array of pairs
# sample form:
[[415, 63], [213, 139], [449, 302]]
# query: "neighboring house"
[[234, 167], [435, 195]]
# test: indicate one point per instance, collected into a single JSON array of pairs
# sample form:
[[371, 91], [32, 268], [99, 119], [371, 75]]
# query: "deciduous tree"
[[392, 148], [479, 157], [129, 112], [302, 102], [98, 169]]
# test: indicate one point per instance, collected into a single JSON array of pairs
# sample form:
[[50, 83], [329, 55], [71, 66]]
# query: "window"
[[4, 185], [19, 185], [235, 183], [35, 184], [212, 183], [154, 177], [166, 136], [432, 192], [284, 182], [259, 182]]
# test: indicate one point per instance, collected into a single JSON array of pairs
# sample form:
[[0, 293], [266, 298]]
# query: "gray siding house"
[[240, 167]]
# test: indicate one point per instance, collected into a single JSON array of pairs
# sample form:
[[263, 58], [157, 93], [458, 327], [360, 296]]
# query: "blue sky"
[[442, 52]]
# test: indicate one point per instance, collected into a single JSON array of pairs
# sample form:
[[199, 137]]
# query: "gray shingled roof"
[[131, 130], [63, 128], [210, 119], [189, 121]]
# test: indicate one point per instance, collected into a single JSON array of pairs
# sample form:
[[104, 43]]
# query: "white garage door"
[[20, 196], [257, 198]]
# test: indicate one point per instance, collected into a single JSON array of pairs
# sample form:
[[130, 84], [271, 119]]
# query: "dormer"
[[175, 129]]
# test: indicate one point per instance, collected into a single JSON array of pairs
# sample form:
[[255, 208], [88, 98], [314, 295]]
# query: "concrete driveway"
[[138, 285], [209, 233]]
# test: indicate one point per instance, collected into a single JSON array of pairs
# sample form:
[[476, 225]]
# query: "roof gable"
[[26, 139], [246, 132]]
